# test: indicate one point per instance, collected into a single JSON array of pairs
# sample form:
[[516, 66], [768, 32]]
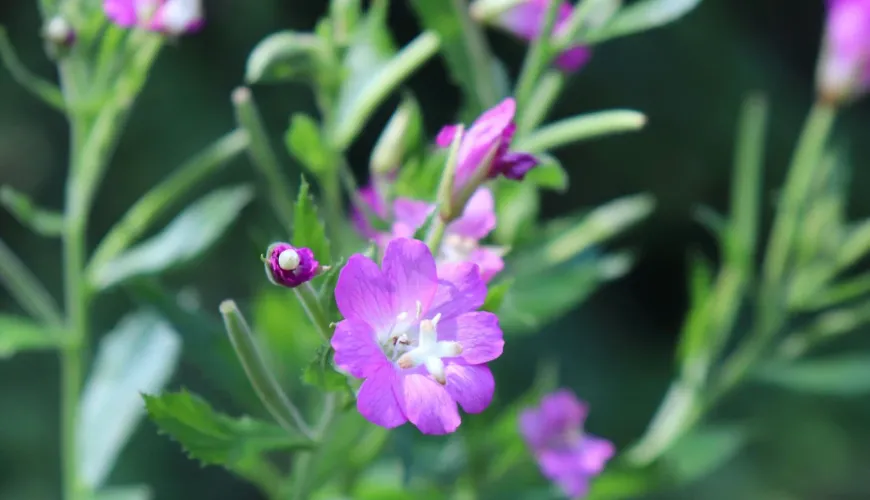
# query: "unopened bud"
[[401, 134], [59, 34], [290, 266], [843, 71]]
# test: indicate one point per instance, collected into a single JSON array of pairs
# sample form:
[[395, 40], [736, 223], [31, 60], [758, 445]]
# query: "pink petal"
[[573, 59], [489, 262], [412, 212], [460, 290], [478, 333], [483, 137], [356, 349], [478, 218], [364, 294], [594, 453], [376, 400], [121, 12], [472, 386], [371, 198], [561, 410], [410, 269], [428, 405], [532, 428], [445, 135]]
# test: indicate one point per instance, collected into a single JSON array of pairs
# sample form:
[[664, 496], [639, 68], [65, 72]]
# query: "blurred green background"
[[615, 351]]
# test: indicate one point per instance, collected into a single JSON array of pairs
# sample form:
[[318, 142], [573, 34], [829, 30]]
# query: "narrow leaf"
[[138, 492], [844, 375], [304, 142], [22, 334], [321, 374], [139, 355], [189, 235], [214, 438], [704, 451], [581, 128], [39, 220], [496, 294], [285, 56], [308, 230], [641, 16], [549, 174]]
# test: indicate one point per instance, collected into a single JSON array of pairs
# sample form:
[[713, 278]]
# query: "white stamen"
[[419, 310], [429, 351], [288, 260], [436, 368]]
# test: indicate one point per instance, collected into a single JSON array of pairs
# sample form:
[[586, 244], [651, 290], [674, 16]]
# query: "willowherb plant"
[[403, 299]]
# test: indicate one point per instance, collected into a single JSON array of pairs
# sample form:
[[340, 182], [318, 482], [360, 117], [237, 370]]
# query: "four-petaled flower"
[[484, 148], [416, 338], [166, 16], [565, 455], [462, 237], [526, 19], [844, 68], [290, 266]]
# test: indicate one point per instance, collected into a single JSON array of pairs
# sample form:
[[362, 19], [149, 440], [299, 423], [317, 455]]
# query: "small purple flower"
[[844, 68], [416, 338], [526, 20], [565, 455], [462, 237], [290, 266], [488, 139], [166, 16]]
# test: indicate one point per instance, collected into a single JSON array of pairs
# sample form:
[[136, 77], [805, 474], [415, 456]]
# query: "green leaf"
[[641, 16], [305, 143], [138, 492], [618, 484], [286, 56], [214, 438], [188, 236], [321, 374], [327, 289], [496, 294], [39, 220], [139, 355], [465, 51], [581, 128], [419, 178], [843, 375], [18, 334], [517, 205], [694, 336], [549, 174], [703, 451], [374, 70], [308, 230]]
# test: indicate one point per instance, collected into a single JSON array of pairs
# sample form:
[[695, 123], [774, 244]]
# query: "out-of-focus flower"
[[526, 20], [462, 237], [59, 32], [844, 66], [290, 266], [565, 455], [484, 148], [173, 17], [416, 337]]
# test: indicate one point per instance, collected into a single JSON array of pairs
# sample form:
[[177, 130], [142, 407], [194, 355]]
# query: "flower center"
[[413, 342], [288, 260], [457, 248]]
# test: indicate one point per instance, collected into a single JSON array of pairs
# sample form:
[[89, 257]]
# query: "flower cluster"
[[172, 17], [554, 433], [844, 67]]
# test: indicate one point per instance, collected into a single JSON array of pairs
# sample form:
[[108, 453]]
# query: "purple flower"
[[166, 16], [485, 145], [526, 20], [416, 338], [565, 455], [844, 68], [462, 237], [290, 266]]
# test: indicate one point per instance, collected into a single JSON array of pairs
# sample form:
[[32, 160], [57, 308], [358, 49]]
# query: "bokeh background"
[[615, 351]]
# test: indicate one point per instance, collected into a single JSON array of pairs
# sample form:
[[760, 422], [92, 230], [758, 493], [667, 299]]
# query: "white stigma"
[[429, 351], [288, 260]]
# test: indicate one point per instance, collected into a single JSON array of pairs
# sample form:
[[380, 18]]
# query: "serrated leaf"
[[285, 56], [320, 373], [495, 295], [305, 143], [844, 375], [641, 16], [139, 355], [214, 438], [548, 174], [39, 220], [327, 289], [308, 229], [18, 333], [703, 451], [189, 235]]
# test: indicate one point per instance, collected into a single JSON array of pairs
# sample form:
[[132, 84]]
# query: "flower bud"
[[290, 266], [58, 32], [843, 71], [401, 133]]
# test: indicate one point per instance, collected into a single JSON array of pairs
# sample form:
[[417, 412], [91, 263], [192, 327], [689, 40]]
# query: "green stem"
[[263, 156], [537, 59], [310, 301], [544, 97]]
